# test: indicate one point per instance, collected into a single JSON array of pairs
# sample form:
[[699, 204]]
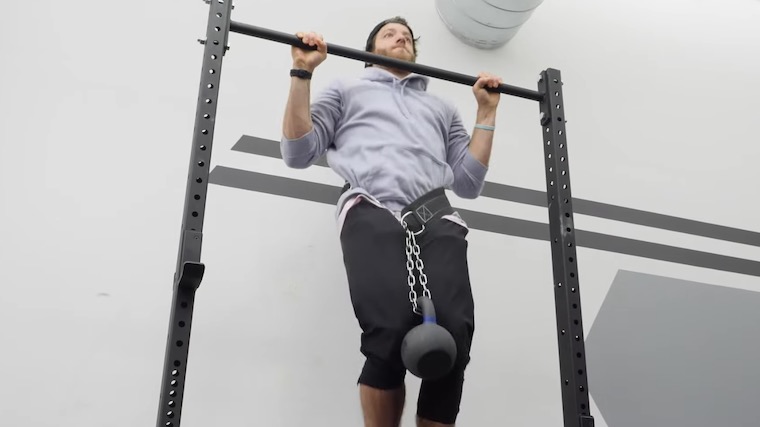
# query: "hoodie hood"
[[412, 81], [400, 86]]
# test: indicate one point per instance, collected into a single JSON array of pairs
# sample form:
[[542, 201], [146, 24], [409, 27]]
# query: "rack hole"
[[212, 71], [213, 56], [175, 372], [209, 101], [196, 197], [561, 145], [567, 382], [583, 406], [567, 200], [183, 304], [201, 163], [580, 371], [177, 363], [207, 116], [217, 29], [559, 285], [567, 214], [548, 143], [195, 214], [179, 344], [560, 132], [578, 355], [558, 106], [556, 93], [218, 15], [551, 183], [573, 291], [547, 129], [564, 187], [170, 414], [210, 85], [572, 275], [203, 148], [549, 156], [169, 424], [216, 42], [575, 306], [171, 403], [562, 159], [173, 393], [569, 245], [222, 2], [559, 119], [577, 338], [174, 383], [569, 229], [204, 131], [563, 332], [199, 180], [581, 388], [181, 323], [570, 259], [556, 81], [564, 173]]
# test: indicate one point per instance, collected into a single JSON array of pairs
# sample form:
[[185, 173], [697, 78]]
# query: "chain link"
[[412, 248]]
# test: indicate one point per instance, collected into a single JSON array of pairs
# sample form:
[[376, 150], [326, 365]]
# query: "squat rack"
[[189, 270]]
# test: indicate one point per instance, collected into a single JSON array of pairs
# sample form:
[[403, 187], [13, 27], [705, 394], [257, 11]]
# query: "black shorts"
[[374, 254]]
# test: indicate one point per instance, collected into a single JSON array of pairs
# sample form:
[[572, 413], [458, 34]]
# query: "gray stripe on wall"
[[269, 148], [328, 194]]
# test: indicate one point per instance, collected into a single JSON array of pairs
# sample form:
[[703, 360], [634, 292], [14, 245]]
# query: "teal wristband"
[[484, 127]]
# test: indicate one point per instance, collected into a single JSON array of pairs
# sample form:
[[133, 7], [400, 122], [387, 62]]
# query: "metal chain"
[[412, 248]]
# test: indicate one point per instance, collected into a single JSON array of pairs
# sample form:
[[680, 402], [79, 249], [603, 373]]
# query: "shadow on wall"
[[668, 352]]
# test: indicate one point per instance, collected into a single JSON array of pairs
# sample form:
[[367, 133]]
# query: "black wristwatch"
[[301, 74]]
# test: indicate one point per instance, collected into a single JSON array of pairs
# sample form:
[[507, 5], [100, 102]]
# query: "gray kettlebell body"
[[428, 350]]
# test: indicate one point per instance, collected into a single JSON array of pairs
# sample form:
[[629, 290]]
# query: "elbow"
[[468, 194], [470, 191], [297, 162]]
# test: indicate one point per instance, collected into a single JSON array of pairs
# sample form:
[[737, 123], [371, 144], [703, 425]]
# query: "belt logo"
[[424, 213]]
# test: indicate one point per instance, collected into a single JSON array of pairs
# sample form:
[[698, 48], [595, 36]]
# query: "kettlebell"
[[428, 350]]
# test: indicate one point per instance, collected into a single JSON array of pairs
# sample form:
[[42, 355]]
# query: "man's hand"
[[487, 100], [309, 59]]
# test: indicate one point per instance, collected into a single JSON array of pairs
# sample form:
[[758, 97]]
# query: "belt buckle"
[[406, 226]]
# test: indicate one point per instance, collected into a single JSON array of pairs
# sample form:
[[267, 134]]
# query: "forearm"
[[297, 121], [481, 140]]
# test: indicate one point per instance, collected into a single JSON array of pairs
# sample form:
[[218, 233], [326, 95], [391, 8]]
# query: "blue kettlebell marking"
[[428, 319]]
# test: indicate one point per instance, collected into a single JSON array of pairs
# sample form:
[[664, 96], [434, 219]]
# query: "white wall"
[[97, 118]]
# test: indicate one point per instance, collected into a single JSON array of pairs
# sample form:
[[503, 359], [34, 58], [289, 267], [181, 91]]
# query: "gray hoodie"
[[389, 139]]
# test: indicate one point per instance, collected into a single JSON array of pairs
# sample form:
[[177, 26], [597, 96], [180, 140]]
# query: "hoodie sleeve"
[[326, 111], [469, 173]]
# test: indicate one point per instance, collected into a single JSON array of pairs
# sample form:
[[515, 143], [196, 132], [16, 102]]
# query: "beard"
[[397, 52]]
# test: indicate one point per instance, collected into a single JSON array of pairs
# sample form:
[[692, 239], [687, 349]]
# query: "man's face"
[[395, 40]]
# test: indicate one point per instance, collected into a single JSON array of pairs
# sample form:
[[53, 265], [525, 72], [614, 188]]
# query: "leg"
[[374, 255], [382, 408], [444, 252]]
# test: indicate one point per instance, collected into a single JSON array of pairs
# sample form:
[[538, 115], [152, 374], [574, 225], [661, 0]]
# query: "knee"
[[382, 374]]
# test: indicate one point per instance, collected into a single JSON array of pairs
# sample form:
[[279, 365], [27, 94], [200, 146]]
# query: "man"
[[397, 147]]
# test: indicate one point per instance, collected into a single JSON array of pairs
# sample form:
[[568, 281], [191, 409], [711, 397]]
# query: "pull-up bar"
[[190, 270], [360, 55]]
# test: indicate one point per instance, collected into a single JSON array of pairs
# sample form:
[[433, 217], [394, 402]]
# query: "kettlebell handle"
[[427, 308]]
